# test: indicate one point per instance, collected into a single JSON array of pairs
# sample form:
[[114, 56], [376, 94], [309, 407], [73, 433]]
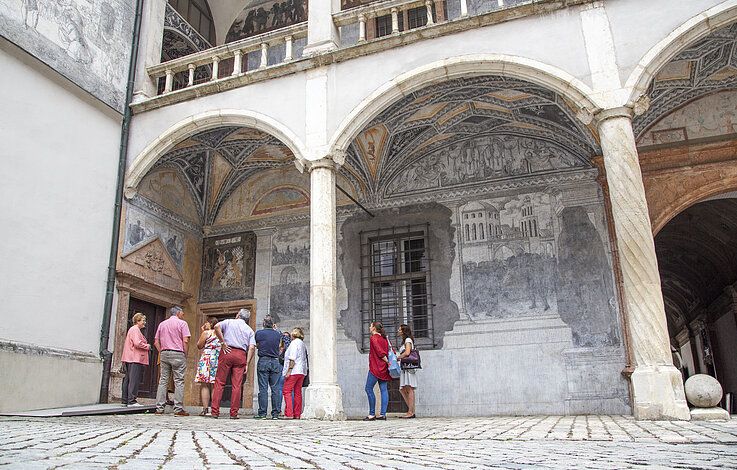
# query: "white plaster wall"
[[27, 380], [60, 150], [637, 26]]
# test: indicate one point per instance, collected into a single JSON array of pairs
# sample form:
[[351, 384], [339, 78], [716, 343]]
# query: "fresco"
[[141, 227], [87, 41], [710, 116], [262, 16], [166, 188], [522, 258], [228, 267], [480, 159], [290, 276]]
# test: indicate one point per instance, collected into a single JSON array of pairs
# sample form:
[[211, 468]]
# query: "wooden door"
[[396, 402], [155, 314]]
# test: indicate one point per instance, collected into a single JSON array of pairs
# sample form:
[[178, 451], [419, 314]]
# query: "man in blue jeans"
[[268, 369]]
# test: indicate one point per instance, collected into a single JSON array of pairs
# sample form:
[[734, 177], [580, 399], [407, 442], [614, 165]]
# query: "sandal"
[[369, 418], [204, 412]]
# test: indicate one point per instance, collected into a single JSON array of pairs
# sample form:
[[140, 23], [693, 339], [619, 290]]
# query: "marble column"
[[149, 49], [324, 399], [657, 386]]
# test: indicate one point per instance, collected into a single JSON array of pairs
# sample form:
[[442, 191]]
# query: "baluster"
[[464, 8], [500, 3], [361, 28], [428, 5], [264, 55], [288, 43], [215, 67], [237, 62], [190, 80], [169, 80], [395, 20]]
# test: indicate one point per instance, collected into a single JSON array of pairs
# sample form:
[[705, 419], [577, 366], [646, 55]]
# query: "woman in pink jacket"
[[135, 356]]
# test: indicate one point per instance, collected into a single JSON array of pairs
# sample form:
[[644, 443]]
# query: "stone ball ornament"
[[703, 391]]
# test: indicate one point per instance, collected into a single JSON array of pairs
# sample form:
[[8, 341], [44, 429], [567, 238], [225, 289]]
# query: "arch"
[[457, 67], [689, 32], [680, 204], [202, 122]]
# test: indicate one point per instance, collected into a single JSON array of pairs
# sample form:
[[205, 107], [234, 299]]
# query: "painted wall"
[[61, 146]]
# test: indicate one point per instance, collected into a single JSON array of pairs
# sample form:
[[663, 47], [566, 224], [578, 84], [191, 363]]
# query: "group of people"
[[228, 347]]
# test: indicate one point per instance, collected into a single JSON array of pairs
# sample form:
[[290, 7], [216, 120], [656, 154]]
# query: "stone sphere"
[[703, 391]]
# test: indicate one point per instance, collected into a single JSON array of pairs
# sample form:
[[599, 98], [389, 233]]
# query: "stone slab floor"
[[539, 442]]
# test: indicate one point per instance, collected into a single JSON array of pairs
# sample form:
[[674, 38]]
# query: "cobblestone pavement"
[[538, 442]]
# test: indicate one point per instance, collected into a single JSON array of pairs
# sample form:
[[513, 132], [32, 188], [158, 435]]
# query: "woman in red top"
[[378, 370], [135, 356]]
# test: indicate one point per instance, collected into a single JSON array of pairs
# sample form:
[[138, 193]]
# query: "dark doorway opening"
[[155, 314]]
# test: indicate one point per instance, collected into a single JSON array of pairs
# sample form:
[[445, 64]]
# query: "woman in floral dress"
[[206, 368]]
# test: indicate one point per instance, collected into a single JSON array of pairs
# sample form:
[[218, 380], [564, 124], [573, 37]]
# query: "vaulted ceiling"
[[697, 258]]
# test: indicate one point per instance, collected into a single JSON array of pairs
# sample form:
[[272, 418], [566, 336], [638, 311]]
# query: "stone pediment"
[[152, 264]]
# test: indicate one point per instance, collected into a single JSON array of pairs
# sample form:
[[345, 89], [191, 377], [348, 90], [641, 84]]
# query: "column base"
[[657, 393], [319, 48], [323, 402]]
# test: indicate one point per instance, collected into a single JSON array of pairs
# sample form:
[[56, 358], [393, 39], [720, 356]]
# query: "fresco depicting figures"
[[87, 41], [228, 268], [260, 17], [141, 227], [483, 158], [521, 258], [290, 274]]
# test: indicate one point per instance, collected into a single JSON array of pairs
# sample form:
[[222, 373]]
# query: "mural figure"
[[290, 260], [266, 17], [141, 227], [174, 249], [479, 159], [71, 33], [136, 233], [229, 268], [29, 8]]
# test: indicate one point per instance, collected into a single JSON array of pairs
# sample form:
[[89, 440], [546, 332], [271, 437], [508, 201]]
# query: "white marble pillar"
[[324, 399], [149, 49], [322, 34], [657, 387]]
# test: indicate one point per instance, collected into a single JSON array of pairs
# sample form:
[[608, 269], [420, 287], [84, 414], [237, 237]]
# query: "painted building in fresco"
[[474, 198]]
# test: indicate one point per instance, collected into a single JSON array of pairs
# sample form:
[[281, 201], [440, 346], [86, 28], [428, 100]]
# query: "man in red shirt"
[[172, 342]]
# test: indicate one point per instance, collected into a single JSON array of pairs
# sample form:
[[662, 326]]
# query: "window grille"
[[416, 17], [396, 283]]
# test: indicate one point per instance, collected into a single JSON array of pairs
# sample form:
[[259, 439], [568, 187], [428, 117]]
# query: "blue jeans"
[[280, 388], [268, 371], [370, 382]]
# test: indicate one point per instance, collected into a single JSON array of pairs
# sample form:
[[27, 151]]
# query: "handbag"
[[306, 380], [412, 360], [394, 369]]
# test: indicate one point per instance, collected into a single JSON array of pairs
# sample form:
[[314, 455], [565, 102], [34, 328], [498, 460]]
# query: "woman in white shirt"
[[408, 380], [294, 371]]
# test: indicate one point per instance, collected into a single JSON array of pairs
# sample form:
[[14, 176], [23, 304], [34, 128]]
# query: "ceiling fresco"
[[467, 131], [706, 67], [214, 163], [697, 259]]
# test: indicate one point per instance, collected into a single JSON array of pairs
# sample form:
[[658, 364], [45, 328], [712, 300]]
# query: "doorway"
[[155, 314]]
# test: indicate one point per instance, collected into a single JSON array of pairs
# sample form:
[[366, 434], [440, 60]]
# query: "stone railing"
[[226, 61]]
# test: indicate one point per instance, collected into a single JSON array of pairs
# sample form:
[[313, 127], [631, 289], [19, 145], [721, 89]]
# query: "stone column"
[[324, 399], [657, 386], [149, 49], [322, 34]]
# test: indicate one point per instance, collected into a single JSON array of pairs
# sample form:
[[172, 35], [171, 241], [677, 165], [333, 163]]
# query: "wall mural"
[[261, 16], [480, 159], [166, 188], [86, 41], [710, 116], [140, 227], [520, 258], [290, 276], [228, 267]]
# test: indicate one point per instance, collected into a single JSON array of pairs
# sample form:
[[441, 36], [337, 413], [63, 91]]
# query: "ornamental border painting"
[[228, 268], [87, 41]]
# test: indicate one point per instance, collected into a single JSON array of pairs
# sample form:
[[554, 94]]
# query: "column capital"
[[333, 160], [611, 113]]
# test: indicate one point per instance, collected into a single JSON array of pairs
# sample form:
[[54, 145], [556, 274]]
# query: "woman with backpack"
[[408, 380], [378, 370]]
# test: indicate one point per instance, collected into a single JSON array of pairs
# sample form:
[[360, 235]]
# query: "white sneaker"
[[135, 404]]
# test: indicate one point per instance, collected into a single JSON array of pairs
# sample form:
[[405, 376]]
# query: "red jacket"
[[378, 349]]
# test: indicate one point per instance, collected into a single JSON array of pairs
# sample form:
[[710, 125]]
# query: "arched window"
[[198, 15], [468, 234], [481, 231]]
